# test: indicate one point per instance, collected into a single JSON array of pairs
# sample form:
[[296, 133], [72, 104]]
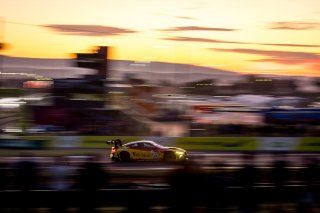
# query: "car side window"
[[132, 146], [148, 146], [140, 145]]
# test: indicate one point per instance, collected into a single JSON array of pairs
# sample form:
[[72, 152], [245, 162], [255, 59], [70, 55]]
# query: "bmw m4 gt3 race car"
[[145, 150]]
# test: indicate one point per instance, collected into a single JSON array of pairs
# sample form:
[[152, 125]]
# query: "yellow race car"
[[145, 150]]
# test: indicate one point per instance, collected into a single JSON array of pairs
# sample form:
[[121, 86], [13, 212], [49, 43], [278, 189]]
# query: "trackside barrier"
[[304, 144], [217, 143]]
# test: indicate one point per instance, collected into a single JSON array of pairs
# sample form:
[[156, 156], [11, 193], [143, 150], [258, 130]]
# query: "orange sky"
[[248, 36]]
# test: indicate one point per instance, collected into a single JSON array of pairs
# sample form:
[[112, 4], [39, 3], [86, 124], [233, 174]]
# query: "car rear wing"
[[117, 143]]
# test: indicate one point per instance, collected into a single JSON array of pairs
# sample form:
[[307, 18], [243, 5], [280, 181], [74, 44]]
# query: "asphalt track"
[[155, 174], [205, 158]]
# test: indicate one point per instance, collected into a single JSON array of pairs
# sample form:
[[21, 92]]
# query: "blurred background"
[[92, 95], [240, 93]]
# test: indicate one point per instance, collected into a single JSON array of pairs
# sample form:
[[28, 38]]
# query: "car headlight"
[[179, 153]]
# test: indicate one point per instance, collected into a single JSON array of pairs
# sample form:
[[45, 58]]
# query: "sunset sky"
[[247, 36]]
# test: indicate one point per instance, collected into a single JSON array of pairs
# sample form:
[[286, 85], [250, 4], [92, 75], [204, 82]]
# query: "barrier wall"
[[305, 144]]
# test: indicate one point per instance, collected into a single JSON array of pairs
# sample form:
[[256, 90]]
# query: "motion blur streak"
[[251, 141]]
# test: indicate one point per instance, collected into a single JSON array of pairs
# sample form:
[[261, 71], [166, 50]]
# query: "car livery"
[[145, 150]]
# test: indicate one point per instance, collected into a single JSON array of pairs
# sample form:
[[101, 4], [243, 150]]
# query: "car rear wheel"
[[125, 156], [169, 156]]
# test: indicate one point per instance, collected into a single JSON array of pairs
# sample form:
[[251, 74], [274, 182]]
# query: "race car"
[[145, 150]]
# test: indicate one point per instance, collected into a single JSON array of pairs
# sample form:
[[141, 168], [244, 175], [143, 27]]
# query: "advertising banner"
[[217, 143], [18, 143], [278, 143], [66, 142]]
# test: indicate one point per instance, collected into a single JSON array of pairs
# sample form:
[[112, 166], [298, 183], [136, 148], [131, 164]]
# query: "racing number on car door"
[[155, 154], [148, 151]]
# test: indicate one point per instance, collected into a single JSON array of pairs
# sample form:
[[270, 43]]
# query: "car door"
[[151, 151], [134, 151]]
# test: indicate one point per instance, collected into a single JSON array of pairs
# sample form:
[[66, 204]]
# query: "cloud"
[[88, 30], [192, 39], [289, 45], [282, 57], [185, 17], [294, 25], [196, 28]]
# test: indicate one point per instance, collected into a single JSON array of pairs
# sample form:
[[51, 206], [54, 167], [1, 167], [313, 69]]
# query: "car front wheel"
[[169, 156]]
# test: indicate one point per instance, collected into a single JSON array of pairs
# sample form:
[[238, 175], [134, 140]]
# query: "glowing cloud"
[[196, 28], [184, 17], [195, 39], [88, 30], [284, 57], [294, 25], [192, 39], [289, 45]]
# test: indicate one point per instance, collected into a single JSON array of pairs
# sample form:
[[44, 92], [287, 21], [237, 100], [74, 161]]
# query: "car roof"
[[144, 141]]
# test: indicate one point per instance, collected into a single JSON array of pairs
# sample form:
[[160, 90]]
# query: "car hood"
[[176, 149]]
